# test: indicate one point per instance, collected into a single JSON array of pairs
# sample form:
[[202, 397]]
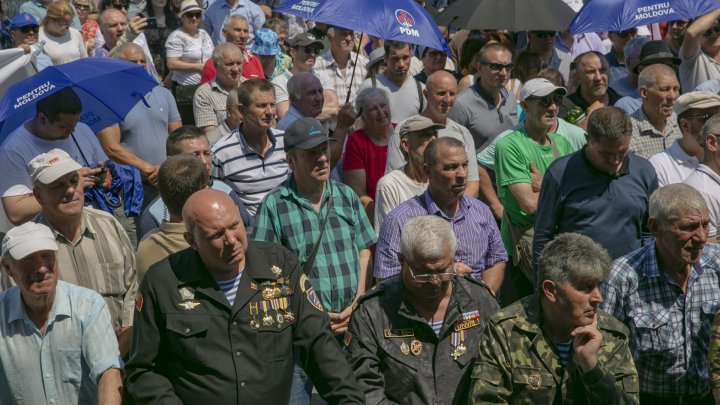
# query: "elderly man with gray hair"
[[706, 177], [667, 293], [556, 345], [413, 338], [210, 99]]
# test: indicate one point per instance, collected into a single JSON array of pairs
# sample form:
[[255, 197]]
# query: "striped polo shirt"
[[250, 176]]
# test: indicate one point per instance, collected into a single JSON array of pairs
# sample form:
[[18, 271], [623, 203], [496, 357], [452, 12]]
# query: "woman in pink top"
[[366, 149]]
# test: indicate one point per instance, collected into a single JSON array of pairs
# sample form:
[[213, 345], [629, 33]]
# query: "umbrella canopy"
[[108, 89], [513, 15], [620, 15], [398, 20]]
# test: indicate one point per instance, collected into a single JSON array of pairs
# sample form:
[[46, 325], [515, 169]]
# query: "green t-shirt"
[[513, 155]]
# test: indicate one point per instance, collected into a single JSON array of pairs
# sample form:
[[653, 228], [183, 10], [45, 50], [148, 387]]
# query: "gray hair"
[[632, 51], [217, 54], [609, 124], [427, 236], [296, 82], [712, 126], [232, 100], [370, 93], [666, 201], [102, 18], [648, 77], [232, 18], [573, 258], [430, 154]]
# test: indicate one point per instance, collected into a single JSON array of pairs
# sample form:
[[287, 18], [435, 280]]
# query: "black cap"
[[305, 133], [653, 52], [305, 39]]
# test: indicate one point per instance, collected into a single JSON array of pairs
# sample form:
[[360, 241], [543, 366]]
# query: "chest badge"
[[535, 380], [188, 305], [415, 347], [404, 348]]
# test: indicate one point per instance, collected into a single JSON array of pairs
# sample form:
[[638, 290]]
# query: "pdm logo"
[[407, 21]]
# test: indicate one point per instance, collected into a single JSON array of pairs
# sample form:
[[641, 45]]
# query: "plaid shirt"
[[647, 141], [478, 239], [669, 330], [287, 218], [210, 104], [327, 69]]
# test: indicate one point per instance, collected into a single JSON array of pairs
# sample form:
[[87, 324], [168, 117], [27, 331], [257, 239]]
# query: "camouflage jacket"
[[385, 334], [518, 364]]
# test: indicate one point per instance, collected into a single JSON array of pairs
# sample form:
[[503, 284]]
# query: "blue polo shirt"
[[611, 209]]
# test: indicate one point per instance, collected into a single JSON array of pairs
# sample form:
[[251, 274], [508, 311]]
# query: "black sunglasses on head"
[[119, 6], [29, 28]]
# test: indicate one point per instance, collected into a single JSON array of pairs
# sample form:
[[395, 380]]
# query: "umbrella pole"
[[352, 75]]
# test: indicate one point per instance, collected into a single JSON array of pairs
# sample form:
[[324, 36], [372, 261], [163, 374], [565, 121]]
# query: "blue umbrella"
[[108, 89], [398, 20], [620, 15]]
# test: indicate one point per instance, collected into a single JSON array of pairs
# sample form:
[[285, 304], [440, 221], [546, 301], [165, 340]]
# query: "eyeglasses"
[[81, 6], [119, 6], [427, 278], [30, 28], [311, 50], [193, 15], [497, 67], [679, 23], [544, 34], [627, 33], [545, 102], [713, 30]]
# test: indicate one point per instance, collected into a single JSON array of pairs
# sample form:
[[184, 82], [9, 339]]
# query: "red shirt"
[[362, 153], [252, 69]]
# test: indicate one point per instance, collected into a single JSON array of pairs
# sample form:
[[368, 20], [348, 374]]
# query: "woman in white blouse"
[[63, 43], [187, 49]]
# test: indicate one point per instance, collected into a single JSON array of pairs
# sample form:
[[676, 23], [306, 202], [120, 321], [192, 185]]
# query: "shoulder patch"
[[481, 283], [376, 291]]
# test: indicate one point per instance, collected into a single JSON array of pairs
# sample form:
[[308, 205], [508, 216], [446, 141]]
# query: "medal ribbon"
[[253, 308], [265, 306]]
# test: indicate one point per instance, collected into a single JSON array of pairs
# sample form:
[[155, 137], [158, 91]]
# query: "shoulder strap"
[[373, 80], [420, 96], [307, 267]]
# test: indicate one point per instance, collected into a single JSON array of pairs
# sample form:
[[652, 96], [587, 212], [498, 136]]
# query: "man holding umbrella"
[[340, 65], [55, 125]]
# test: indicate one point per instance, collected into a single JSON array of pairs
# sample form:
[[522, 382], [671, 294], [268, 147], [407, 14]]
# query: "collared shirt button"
[[47, 375], [187, 330], [52, 401], [234, 323], [238, 354], [242, 384]]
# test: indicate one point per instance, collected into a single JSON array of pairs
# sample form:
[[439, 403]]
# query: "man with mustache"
[[413, 339], [93, 249], [655, 126], [556, 346], [293, 215], [56, 345], [667, 294], [480, 252]]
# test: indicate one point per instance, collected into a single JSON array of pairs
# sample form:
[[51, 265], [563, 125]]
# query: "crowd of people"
[[298, 209]]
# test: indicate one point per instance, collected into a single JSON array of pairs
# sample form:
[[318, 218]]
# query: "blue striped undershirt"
[[230, 287], [436, 327], [564, 351]]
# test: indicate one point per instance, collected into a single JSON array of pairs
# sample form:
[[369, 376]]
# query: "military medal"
[[404, 348], [277, 271], [535, 381], [289, 317], [286, 316], [415, 347], [267, 293], [267, 319], [458, 343], [253, 313], [275, 304]]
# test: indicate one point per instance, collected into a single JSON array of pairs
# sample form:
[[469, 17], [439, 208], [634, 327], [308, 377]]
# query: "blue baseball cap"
[[265, 42], [22, 20]]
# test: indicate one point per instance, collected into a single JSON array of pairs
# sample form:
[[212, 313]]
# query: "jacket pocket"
[[532, 386], [187, 333]]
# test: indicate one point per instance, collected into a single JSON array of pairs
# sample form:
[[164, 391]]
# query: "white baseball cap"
[[28, 238], [50, 166]]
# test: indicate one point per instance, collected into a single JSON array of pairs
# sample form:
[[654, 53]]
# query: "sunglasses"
[[627, 34], [193, 15], [81, 7], [679, 23], [119, 6], [544, 34], [30, 28], [498, 67], [311, 50], [546, 101], [711, 31]]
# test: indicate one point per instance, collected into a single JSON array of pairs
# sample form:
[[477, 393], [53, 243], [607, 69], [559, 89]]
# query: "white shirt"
[[392, 190], [673, 165], [707, 182]]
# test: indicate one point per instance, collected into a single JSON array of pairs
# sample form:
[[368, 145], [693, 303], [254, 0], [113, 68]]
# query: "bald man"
[[440, 93], [218, 322]]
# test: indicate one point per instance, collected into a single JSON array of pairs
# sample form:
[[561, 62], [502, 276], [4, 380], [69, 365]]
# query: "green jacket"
[[518, 364]]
